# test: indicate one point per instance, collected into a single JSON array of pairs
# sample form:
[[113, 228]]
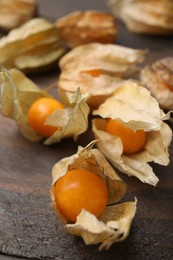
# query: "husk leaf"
[[81, 27], [17, 95], [96, 88], [72, 121], [158, 78], [114, 223], [33, 46], [113, 226], [140, 16], [159, 134], [16, 12], [134, 105], [78, 65], [114, 59]]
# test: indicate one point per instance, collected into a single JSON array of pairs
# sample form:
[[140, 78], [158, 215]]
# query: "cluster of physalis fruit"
[[128, 124], [129, 131]]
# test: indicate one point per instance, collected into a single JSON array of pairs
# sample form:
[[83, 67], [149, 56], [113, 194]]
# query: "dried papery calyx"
[[145, 16], [18, 93], [14, 13], [97, 75], [108, 58], [83, 27], [113, 225], [158, 78], [73, 121], [141, 113], [35, 46], [95, 88]]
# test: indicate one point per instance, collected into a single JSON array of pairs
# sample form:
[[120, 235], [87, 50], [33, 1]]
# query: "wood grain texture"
[[29, 228]]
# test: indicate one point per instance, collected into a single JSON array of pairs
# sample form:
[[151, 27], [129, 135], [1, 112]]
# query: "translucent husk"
[[141, 112], [158, 78], [72, 121], [97, 89], [16, 12], [114, 223], [78, 65], [140, 16], [81, 27], [17, 95], [33, 46], [110, 59]]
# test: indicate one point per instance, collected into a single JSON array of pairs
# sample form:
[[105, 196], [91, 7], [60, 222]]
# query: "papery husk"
[[109, 58], [158, 78], [96, 89], [14, 13], [134, 105], [17, 95], [114, 223], [111, 227], [32, 47], [141, 112], [83, 27], [114, 63], [140, 16], [71, 121]]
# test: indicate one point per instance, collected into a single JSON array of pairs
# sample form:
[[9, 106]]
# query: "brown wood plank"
[[28, 227]]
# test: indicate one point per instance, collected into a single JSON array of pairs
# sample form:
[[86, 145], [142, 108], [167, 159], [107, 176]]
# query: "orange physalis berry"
[[80, 189], [133, 142], [38, 113]]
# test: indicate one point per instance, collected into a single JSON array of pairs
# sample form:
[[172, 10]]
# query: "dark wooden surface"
[[28, 227]]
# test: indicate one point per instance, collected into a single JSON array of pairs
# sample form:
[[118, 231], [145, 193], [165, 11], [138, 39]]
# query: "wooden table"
[[28, 227]]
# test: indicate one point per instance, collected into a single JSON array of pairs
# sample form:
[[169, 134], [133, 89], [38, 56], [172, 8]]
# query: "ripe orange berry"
[[94, 73], [133, 142], [38, 113], [80, 189]]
